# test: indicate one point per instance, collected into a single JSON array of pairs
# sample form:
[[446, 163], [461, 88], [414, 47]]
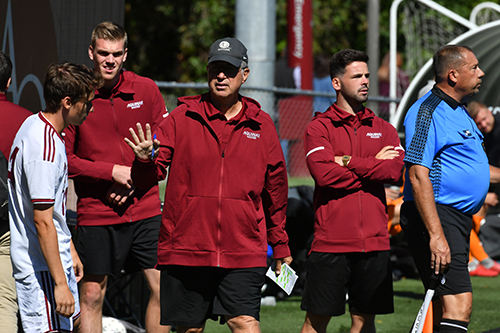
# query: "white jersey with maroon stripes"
[[38, 174]]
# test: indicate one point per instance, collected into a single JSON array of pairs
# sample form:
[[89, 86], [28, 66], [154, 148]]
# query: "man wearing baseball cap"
[[225, 199]]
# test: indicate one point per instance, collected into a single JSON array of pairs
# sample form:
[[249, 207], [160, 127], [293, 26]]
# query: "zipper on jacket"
[[121, 148], [219, 203], [219, 210], [359, 195]]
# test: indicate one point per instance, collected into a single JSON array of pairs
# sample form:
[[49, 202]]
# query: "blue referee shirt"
[[441, 135]]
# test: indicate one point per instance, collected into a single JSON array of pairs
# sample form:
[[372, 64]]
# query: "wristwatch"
[[346, 159]]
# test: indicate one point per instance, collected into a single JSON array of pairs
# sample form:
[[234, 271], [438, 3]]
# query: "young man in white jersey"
[[45, 264]]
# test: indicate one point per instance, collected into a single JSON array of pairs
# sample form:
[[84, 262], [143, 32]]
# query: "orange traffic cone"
[[428, 324]]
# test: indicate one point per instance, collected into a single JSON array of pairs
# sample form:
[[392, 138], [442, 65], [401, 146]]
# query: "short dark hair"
[[77, 82], [446, 58], [343, 58], [109, 31], [5, 71]]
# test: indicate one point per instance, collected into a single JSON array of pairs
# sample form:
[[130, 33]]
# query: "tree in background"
[[169, 41]]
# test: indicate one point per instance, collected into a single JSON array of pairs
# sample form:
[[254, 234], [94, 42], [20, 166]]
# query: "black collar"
[[447, 98]]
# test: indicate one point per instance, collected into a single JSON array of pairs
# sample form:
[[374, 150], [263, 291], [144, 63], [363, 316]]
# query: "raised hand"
[[143, 144]]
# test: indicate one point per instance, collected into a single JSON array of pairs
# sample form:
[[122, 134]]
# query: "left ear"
[[125, 55], [336, 84], [453, 75], [245, 74], [66, 102]]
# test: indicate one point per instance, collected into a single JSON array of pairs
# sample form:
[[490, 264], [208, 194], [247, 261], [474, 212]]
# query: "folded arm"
[[386, 166], [322, 163]]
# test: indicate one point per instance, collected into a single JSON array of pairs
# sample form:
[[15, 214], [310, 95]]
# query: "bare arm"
[[494, 175], [47, 237], [424, 200]]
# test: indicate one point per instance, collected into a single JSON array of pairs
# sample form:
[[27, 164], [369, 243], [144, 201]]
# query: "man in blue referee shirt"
[[447, 180]]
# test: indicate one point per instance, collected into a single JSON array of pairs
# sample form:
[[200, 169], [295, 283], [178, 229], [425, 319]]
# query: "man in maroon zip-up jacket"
[[225, 199], [351, 153]]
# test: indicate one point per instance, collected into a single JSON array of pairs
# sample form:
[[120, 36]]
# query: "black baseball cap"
[[229, 50]]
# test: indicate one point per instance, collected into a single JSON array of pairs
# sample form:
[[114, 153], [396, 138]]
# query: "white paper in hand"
[[286, 280]]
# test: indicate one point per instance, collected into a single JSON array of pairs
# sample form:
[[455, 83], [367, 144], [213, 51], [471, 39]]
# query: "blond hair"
[[109, 31]]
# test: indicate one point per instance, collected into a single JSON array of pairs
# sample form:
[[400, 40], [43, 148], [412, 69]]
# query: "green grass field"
[[286, 316]]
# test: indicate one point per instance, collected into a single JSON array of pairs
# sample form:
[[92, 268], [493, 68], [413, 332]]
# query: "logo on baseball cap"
[[229, 50]]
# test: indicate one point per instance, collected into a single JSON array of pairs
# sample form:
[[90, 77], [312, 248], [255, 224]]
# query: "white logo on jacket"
[[135, 105], [374, 135], [251, 135]]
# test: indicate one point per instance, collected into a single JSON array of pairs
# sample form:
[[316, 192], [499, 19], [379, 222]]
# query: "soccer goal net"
[[425, 30]]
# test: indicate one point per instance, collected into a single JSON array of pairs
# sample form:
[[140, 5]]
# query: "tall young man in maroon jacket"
[[351, 153], [117, 224], [225, 199]]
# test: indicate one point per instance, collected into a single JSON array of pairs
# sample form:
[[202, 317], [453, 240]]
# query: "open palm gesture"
[[143, 145]]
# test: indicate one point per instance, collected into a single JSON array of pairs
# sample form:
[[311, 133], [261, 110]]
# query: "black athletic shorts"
[[106, 250], [191, 295], [365, 277], [456, 228]]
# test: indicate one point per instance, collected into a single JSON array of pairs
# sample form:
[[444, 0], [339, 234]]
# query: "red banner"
[[300, 39]]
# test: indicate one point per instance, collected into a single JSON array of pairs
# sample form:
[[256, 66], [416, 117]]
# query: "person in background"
[[323, 83], [12, 116], [402, 80], [487, 122]]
